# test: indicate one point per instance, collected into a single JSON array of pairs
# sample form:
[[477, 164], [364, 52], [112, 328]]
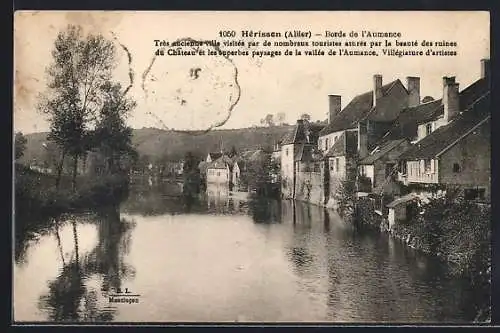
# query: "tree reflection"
[[69, 297]]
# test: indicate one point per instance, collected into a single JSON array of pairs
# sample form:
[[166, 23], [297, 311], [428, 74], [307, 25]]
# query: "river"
[[226, 259]]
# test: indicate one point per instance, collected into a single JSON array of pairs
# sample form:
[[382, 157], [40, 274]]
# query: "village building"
[[452, 147], [377, 169], [219, 171], [213, 156], [355, 131], [293, 154], [340, 162], [239, 180]]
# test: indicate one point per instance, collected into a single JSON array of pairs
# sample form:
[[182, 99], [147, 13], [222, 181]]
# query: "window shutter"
[[422, 166]]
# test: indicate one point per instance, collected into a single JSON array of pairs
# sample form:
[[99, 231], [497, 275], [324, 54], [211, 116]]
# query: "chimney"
[[450, 98], [362, 139], [485, 68], [377, 88], [335, 106], [413, 86]]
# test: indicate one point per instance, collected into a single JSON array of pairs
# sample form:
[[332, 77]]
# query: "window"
[[331, 165], [474, 193], [218, 174], [388, 169], [428, 129], [456, 167], [427, 165], [319, 143], [337, 164], [403, 168], [286, 152], [326, 143]]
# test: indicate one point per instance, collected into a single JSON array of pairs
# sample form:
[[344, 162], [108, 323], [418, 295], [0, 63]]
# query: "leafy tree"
[[305, 116], [427, 99], [112, 136], [280, 118], [80, 65], [268, 120], [233, 152], [20, 144]]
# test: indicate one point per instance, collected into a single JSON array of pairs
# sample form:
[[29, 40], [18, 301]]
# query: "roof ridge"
[[482, 121]]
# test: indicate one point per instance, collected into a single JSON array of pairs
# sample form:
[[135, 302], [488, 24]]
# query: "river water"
[[223, 258]]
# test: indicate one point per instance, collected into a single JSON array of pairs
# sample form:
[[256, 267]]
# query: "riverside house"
[[354, 131], [297, 148], [452, 147]]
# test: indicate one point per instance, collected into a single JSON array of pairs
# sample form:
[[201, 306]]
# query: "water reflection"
[[223, 256], [75, 294]]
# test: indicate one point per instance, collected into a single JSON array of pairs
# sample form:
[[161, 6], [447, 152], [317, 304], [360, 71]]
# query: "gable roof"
[[360, 108], [346, 144], [307, 153], [303, 132], [448, 135], [338, 148], [214, 155], [407, 123], [384, 149], [222, 162]]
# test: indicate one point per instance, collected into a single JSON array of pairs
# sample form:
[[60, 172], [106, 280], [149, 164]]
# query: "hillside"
[[157, 143]]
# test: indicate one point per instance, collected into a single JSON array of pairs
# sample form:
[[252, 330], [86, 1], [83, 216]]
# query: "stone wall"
[[309, 187]]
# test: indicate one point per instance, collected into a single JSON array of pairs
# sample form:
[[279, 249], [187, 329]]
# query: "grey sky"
[[293, 85]]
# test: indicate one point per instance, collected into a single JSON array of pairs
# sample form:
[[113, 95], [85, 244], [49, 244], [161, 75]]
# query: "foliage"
[[80, 66], [268, 120], [459, 231], [305, 116], [20, 144], [112, 137], [258, 173]]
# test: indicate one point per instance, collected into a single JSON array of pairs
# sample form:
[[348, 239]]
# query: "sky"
[[169, 96]]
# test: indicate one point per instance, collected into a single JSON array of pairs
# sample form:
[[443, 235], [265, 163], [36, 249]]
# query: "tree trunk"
[[75, 171], [59, 169]]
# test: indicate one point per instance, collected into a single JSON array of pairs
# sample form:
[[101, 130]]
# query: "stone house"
[[219, 171], [361, 125], [304, 134], [377, 169], [339, 163], [454, 150], [239, 175]]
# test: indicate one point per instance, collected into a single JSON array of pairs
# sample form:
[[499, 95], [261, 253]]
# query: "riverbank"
[[36, 197], [456, 231]]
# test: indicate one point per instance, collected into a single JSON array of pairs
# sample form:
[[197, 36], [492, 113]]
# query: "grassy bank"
[[37, 197]]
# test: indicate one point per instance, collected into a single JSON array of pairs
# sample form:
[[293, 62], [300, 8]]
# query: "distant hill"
[[172, 145]]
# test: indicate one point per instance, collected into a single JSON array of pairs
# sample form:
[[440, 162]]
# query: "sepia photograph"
[[242, 167]]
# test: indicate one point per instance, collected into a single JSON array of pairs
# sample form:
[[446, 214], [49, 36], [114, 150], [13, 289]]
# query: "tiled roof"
[[384, 149], [407, 123], [338, 148], [302, 131], [221, 163], [361, 107], [346, 144], [445, 136], [308, 153], [215, 155]]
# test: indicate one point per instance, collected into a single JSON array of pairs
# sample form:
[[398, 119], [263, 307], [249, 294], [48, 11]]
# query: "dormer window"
[[428, 129]]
